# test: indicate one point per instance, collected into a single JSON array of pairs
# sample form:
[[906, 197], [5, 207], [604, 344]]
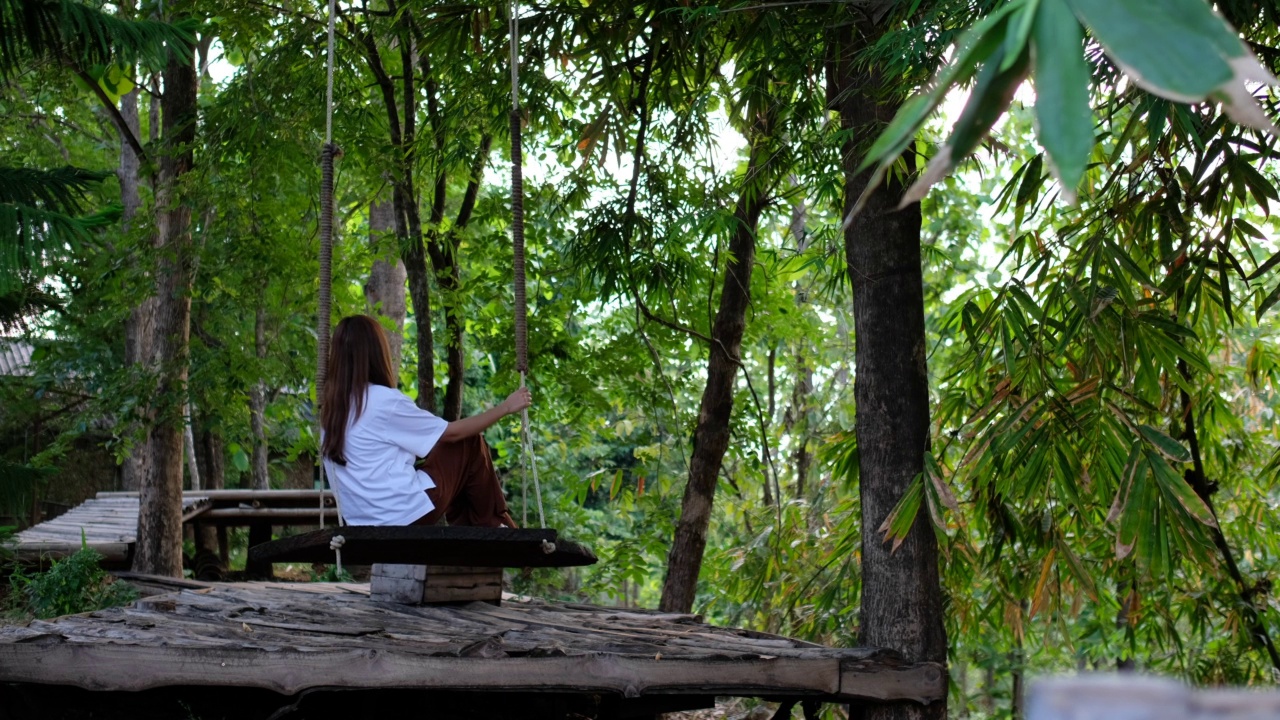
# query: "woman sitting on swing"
[[392, 463]]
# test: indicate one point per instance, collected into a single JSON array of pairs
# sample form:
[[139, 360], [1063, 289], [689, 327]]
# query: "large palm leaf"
[[69, 31], [42, 215]]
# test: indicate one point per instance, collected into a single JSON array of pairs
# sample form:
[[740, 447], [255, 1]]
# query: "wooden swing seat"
[[428, 545]]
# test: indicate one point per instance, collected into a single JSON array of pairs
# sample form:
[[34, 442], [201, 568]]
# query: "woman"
[[373, 435]]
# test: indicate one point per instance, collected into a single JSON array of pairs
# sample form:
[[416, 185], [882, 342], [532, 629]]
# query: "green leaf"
[[1078, 571], [1166, 445], [1177, 491], [938, 493], [992, 93], [1268, 301], [240, 460], [978, 43], [1064, 121], [1016, 35], [1171, 48], [898, 524], [1180, 50]]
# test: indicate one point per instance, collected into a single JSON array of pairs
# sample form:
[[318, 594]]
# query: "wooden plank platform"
[[110, 520], [106, 524], [281, 638], [428, 545]]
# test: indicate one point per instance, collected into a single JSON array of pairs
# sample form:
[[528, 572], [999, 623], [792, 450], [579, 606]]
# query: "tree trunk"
[[901, 592], [798, 415], [711, 436], [404, 201], [443, 250], [215, 462], [258, 403], [140, 324], [189, 446], [415, 264], [385, 292], [159, 547]]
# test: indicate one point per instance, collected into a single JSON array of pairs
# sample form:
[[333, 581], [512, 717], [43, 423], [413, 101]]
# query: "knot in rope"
[[337, 542], [548, 547]]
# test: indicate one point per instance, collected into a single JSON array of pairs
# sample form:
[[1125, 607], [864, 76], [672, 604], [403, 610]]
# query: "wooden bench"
[[430, 564]]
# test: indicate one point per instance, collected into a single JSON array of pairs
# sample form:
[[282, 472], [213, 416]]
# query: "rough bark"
[[901, 592], [140, 324], [385, 290], [159, 547], [711, 436], [258, 404]]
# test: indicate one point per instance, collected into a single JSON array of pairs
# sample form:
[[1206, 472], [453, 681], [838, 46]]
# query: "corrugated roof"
[[15, 357]]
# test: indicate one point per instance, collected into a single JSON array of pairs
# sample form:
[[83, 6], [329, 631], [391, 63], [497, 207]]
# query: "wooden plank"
[[311, 515], [888, 677], [290, 637], [35, 552], [454, 545], [288, 671], [230, 495]]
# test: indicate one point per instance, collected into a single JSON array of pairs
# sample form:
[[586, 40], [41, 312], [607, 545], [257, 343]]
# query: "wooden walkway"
[[294, 639], [109, 521]]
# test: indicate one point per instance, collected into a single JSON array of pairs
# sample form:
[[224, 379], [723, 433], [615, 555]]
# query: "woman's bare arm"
[[476, 424]]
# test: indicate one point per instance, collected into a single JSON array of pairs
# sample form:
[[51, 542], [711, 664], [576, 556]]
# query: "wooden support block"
[[430, 585], [401, 584], [449, 584]]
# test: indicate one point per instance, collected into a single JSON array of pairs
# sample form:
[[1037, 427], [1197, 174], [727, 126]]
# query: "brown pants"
[[467, 490]]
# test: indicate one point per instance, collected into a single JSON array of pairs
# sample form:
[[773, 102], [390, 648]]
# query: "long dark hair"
[[358, 357]]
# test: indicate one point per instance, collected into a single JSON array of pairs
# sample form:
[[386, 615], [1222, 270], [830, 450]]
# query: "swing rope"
[[527, 460], [324, 313]]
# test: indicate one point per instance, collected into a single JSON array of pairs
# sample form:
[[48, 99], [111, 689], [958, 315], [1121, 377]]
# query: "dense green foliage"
[[1104, 373], [74, 584]]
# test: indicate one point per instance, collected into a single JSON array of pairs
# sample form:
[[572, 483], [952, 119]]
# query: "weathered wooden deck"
[[297, 639], [109, 521]]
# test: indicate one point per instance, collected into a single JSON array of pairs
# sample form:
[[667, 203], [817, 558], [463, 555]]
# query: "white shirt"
[[379, 485]]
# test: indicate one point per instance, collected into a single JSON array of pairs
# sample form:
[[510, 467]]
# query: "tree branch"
[[473, 183], [116, 118]]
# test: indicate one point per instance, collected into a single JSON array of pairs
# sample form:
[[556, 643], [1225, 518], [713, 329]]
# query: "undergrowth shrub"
[[71, 585]]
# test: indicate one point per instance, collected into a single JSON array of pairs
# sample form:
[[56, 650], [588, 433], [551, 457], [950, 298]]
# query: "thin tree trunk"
[[799, 417], [215, 459], [189, 447], [385, 290], [258, 404], [140, 325], [901, 592], [1199, 481], [711, 436], [159, 547], [404, 201], [415, 264]]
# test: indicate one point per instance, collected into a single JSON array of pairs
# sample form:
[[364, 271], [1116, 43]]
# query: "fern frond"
[[59, 190], [66, 30], [24, 303], [31, 237]]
